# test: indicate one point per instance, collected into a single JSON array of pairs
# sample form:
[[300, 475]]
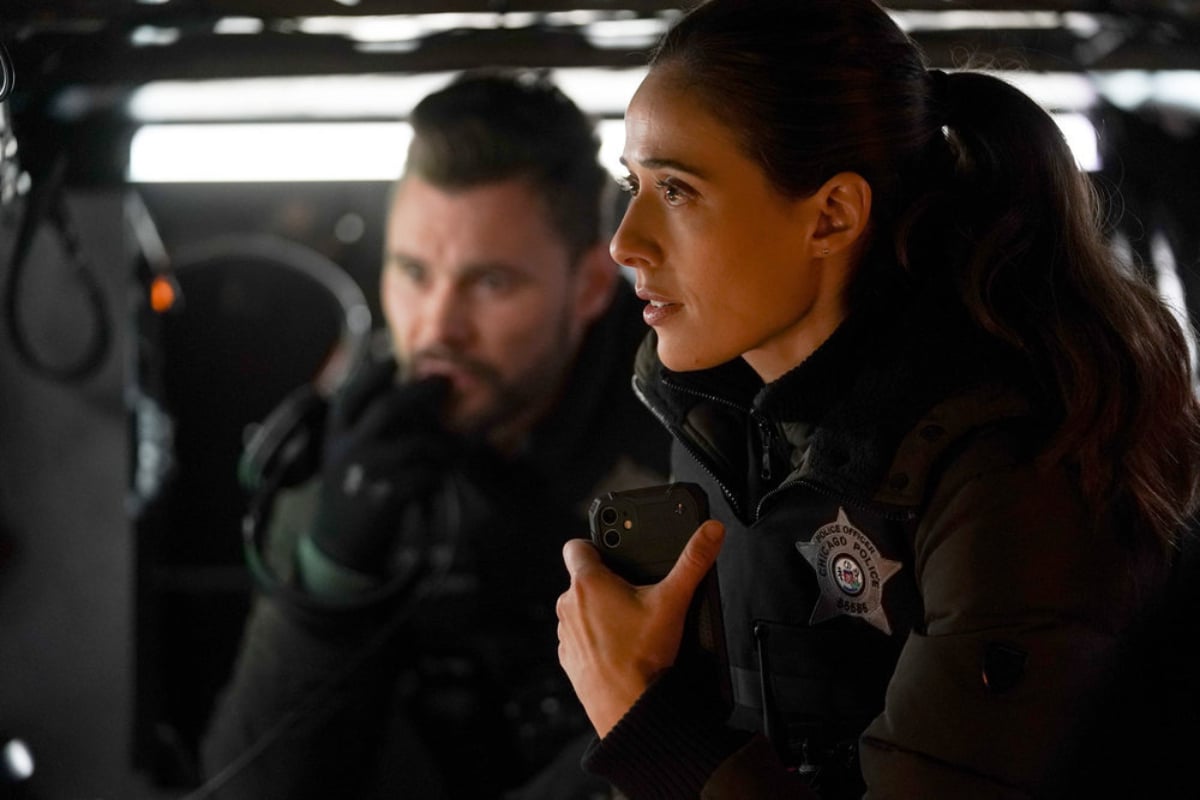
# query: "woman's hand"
[[614, 638]]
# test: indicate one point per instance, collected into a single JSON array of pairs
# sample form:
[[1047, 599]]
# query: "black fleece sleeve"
[[668, 744], [674, 745]]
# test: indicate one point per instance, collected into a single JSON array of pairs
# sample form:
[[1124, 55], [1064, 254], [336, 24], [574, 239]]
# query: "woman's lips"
[[658, 308], [656, 312]]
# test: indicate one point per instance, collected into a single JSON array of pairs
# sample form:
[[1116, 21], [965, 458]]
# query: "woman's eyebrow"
[[667, 163]]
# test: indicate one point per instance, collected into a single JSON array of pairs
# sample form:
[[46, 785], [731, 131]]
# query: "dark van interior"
[[191, 199]]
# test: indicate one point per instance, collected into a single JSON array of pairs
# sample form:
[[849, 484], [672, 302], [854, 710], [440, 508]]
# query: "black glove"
[[385, 448]]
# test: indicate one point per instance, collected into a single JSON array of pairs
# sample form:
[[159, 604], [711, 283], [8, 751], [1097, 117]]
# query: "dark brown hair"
[[980, 198], [492, 125]]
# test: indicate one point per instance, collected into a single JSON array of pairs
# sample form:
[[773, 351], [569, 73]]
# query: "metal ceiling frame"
[[90, 46], [88, 42]]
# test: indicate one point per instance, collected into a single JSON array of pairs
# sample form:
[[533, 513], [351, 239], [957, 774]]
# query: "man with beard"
[[409, 649]]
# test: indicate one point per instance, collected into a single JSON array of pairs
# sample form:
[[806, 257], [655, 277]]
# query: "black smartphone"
[[640, 534]]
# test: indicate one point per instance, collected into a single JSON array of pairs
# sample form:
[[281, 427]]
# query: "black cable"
[[46, 202], [8, 76], [418, 578]]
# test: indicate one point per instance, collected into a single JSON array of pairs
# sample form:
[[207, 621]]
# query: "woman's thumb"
[[696, 560]]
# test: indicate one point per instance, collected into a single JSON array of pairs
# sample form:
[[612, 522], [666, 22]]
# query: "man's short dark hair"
[[494, 125]]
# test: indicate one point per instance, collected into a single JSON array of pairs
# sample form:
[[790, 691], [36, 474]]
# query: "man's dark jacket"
[[455, 690]]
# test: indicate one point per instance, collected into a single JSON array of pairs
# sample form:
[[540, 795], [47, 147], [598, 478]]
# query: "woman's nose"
[[633, 245]]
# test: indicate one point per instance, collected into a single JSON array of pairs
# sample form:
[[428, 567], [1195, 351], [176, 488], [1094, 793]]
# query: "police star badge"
[[851, 573]]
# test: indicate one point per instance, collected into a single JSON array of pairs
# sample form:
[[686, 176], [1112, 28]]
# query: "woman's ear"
[[844, 208]]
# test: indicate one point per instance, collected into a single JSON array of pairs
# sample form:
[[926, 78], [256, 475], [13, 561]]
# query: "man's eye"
[[414, 272], [494, 281]]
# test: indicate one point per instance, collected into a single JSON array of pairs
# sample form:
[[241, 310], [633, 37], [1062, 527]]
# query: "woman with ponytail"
[[949, 441]]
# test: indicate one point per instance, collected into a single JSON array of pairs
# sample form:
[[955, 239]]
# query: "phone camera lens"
[[612, 536], [609, 516]]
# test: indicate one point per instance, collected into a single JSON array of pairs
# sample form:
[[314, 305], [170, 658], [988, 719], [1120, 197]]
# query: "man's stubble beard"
[[516, 404]]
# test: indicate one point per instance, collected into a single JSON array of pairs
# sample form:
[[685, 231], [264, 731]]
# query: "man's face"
[[478, 287]]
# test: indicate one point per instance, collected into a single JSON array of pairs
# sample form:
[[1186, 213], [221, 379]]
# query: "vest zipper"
[[764, 433], [695, 451]]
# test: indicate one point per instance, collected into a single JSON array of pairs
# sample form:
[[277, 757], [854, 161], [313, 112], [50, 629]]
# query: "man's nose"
[[446, 317]]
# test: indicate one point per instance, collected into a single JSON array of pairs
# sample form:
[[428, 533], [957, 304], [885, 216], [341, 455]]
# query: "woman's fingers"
[[697, 558], [613, 637]]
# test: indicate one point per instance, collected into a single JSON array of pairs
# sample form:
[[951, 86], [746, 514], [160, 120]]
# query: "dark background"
[[121, 583]]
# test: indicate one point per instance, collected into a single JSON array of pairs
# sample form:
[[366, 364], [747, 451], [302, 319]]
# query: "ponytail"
[[1035, 272]]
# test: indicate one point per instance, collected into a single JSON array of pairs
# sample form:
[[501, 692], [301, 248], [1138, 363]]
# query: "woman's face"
[[727, 264]]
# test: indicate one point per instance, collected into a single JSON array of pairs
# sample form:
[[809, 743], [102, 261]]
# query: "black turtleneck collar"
[[808, 391]]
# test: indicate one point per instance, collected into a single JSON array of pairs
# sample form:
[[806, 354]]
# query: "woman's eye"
[[628, 184], [672, 192]]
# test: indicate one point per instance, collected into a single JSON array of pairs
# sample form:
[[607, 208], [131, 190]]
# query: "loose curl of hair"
[[978, 194]]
